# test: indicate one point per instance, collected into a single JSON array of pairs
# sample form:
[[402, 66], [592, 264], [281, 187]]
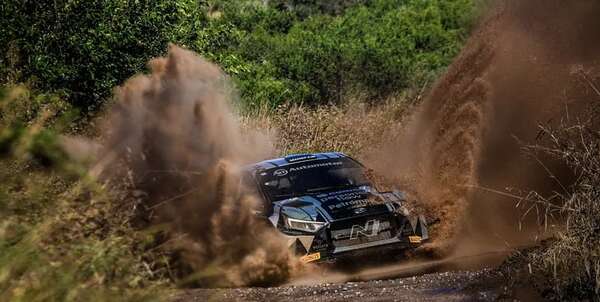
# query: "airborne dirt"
[[174, 138], [523, 66]]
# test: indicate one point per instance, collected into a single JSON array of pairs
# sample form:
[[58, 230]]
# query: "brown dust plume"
[[527, 63], [173, 136]]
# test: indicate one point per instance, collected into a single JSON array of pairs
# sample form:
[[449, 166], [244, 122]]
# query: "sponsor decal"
[[310, 257], [280, 172], [317, 165], [414, 239], [320, 246], [335, 194], [360, 203], [370, 229], [342, 197]]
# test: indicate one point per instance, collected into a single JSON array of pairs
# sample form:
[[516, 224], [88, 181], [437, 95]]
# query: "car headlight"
[[303, 225]]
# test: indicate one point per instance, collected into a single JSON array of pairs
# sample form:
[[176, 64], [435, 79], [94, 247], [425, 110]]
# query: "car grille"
[[361, 231]]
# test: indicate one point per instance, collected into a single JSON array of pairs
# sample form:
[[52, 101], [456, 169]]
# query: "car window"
[[312, 177]]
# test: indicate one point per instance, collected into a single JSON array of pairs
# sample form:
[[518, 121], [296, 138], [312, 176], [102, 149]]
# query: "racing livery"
[[327, 208]]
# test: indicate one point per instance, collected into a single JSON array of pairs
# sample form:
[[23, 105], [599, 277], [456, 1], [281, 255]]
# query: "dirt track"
[[480, 285], [464, 278]]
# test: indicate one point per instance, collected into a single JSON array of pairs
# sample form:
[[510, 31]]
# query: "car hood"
[[341, 204]]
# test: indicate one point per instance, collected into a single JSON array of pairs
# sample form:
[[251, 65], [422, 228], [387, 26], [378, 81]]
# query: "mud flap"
[[297, 248], [300, 245], [421, 228]]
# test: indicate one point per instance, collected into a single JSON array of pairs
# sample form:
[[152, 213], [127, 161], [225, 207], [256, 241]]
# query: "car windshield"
[[310, 177]]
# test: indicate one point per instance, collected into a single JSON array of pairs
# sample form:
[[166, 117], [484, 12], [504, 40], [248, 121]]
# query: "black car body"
[[327, 209]]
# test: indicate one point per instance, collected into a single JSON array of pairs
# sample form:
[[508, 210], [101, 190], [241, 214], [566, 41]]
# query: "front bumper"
[[358, 237]]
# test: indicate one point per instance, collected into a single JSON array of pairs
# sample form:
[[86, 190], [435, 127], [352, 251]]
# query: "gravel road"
[[480, 285]]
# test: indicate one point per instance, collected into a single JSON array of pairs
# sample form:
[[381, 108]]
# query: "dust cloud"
[[527, 63], [173, 136]]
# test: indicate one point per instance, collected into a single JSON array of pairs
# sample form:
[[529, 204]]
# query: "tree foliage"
[[84, 48], [278, 51]]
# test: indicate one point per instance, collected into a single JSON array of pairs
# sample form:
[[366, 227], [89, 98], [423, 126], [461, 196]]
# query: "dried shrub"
[[569, 266], [353, 127]]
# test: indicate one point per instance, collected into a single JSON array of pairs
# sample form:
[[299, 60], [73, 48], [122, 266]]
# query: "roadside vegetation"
[[63, 236], [302, 129], [567, 267], [309, 52]]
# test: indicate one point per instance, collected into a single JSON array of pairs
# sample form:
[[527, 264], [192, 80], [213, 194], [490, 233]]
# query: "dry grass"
[[353, 127], [569, 266], [62, 235]]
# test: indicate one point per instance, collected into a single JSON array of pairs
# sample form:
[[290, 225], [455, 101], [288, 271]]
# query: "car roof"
[[293, 159]]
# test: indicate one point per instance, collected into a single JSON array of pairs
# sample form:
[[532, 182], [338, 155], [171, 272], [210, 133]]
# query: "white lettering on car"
[[336, 163]]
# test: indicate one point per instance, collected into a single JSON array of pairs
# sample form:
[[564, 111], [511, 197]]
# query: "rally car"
[[327, 208]]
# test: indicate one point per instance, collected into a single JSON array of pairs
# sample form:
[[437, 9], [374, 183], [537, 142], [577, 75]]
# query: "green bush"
[[84, 48], [377, 48], [310, 52]]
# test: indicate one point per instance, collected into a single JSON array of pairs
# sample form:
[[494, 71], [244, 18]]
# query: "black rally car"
[[326, 207]]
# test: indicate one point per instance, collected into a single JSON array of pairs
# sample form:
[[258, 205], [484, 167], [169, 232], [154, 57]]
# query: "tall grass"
[[62, 236], [569, 266], [354, 127]]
